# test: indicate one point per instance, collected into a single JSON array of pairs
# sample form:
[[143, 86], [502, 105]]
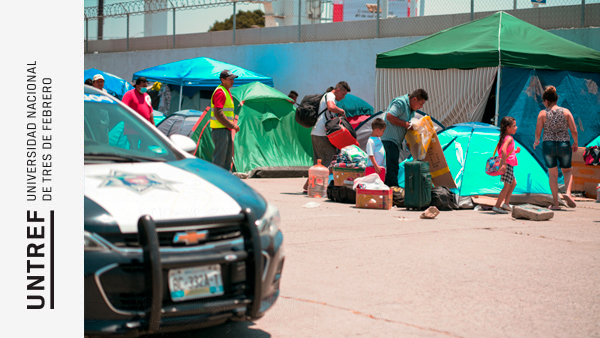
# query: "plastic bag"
[[370, 182], [420, 136]]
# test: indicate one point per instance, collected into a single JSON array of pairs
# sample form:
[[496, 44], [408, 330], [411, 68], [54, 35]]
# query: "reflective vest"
[[227, 109]]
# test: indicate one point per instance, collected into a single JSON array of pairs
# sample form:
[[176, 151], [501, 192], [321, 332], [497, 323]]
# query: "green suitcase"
[[417, 180]]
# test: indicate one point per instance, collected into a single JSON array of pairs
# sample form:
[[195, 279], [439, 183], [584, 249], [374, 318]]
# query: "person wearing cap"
[[98, 82], [138, 100], [222, 121]]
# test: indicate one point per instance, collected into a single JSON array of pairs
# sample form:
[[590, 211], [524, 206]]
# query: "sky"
[[200, 20]]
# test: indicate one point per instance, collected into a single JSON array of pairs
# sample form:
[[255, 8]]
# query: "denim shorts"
[[557, 153]]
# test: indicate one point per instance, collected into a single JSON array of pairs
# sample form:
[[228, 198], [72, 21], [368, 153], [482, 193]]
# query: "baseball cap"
[[227, 74], [98, 77], [140, 79]]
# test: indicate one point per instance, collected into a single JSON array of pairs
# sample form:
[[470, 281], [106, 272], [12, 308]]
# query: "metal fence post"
[[515, 4], [173, 27], [87, 37], [173, 23], [582, 13], [378, 7], [125, 9], [127, 31], [234, 23], [299, 20], [472, 8]]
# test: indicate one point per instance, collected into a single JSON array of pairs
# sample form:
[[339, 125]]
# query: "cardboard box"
[[342, 174], [585, 177], [438, 167], [374, 199]]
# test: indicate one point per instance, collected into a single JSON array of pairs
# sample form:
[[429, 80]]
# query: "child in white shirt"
[[375, 150]]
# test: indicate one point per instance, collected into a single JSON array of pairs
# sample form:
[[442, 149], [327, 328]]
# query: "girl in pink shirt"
[[506, 149]]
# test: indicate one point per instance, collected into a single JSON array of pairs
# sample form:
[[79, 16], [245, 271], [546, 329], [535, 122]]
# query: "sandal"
[[569, 200], [554, 208]]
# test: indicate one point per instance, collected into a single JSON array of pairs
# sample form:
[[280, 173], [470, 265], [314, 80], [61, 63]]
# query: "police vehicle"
[[172, 242]]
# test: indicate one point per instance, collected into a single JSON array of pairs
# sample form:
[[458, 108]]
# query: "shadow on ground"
[[229, 329]]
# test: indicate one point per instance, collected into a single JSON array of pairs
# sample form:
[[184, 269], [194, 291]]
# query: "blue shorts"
[[557, 153]]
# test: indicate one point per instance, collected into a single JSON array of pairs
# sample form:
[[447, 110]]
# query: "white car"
[[172, 242]]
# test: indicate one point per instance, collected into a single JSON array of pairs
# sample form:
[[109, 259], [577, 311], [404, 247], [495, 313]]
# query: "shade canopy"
[[201, 72], [496, 40], [113, 84]]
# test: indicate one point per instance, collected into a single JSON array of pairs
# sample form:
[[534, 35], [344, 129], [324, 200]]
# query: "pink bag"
[[492, 165]]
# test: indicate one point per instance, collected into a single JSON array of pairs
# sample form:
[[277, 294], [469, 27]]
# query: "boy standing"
[[375, 150]]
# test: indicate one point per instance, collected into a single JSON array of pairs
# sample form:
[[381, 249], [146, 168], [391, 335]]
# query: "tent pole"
[[497, 95], [180, 95]]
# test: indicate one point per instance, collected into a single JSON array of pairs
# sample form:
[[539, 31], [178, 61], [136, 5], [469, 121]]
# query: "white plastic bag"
[[370, 182]]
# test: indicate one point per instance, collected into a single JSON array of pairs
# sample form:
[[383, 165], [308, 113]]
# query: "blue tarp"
[[521, 97], [113, 84], [201, 73], [467, 146]]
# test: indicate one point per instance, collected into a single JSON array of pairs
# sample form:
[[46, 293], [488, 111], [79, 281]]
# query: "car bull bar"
[[149, 243]]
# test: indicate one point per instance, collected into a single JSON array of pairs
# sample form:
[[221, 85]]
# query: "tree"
[[243, 19]]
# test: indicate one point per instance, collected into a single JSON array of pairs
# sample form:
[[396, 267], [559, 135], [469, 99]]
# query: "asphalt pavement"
[[353, 272]]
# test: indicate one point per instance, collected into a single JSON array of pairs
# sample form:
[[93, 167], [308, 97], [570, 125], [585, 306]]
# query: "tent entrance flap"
[[455, 95]]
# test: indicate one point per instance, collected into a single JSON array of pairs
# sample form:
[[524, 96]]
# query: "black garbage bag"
[[341, 194], [443, 199]]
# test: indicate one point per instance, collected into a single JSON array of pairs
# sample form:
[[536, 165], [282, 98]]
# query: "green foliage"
[[243, 19]]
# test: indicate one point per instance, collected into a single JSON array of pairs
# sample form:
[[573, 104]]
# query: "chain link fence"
[[185, 23]]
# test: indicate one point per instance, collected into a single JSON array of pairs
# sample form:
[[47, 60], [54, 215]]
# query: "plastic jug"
[[317, 180]]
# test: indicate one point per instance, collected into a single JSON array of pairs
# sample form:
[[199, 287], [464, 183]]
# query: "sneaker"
[[506, 207], [499, 211]]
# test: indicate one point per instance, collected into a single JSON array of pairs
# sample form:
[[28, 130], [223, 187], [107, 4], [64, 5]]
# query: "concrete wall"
[[307, 68], [558, 17], [328, 52]]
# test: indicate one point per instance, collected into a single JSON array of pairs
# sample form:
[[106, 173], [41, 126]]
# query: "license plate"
[[194, 283]]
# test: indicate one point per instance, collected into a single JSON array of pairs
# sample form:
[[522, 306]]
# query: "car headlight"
[[269, 223], [91, 243]]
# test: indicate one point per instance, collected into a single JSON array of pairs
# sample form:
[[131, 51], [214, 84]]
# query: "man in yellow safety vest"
[[222, 121]]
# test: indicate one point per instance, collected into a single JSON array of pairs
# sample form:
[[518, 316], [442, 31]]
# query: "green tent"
[[459, 66], [498, 39], [269, 135]]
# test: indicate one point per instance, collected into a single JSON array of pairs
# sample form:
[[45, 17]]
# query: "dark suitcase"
[[417, 180]]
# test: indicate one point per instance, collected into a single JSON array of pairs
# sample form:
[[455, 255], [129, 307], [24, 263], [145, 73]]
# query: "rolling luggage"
[[417, 180]]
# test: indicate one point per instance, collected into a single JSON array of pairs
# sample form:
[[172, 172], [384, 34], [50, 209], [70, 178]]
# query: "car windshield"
[[111, 133]]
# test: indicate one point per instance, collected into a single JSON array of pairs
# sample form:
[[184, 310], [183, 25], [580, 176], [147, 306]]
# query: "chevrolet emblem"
[[190, 237]]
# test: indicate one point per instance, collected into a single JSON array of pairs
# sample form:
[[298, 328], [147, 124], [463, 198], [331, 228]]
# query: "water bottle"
[[317, 180]]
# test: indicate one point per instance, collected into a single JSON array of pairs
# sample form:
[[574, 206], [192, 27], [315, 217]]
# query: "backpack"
[[307, 112], [443, 199], [592, 155]]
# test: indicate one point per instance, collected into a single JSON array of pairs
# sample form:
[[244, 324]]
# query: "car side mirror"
[[185, 143]]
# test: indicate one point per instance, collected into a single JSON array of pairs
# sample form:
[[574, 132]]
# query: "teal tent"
[[594, 142], [467, 146], [269, 135], [354, 106]]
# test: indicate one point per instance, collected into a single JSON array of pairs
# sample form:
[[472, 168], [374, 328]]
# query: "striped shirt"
[[400, 108]]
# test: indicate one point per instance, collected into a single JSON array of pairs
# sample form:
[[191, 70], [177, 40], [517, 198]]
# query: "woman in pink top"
[[506, 149]]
